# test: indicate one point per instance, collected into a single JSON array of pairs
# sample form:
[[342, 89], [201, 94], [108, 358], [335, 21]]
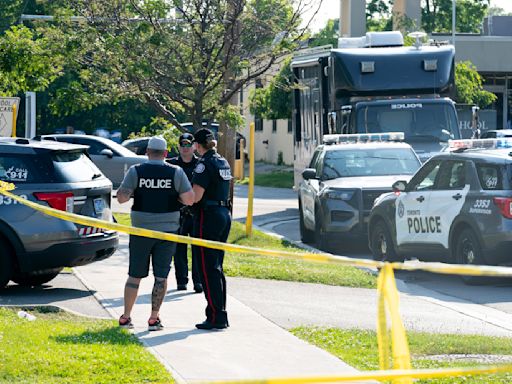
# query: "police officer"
[[212, 221], [187, 160], [157, 189]]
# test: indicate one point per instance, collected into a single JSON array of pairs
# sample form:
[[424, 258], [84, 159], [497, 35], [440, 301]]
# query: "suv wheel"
[[469, 252], [306, 235], [320, 237], [382, 244], [32, 280], [6, 263]]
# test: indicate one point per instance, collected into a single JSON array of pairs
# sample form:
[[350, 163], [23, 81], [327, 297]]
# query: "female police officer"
[[212, 221]]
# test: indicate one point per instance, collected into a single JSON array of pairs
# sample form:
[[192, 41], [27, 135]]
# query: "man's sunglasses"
[[185, 145]]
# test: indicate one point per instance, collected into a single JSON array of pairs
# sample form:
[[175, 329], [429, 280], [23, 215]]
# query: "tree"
[[27, 62], [469, 86], [378, 15], [436, 15], [136, 49]]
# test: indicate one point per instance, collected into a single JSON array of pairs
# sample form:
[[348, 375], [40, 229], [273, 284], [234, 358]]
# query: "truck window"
[[418, 121]]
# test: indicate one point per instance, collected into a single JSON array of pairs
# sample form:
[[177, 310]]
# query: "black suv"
[[456, 208], [35, 247]]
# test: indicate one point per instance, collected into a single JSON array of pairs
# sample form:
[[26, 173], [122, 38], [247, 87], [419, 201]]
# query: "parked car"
[[139, 145], [35, 247], [496, 133], [110, 157], [457, 208], [341, 183]]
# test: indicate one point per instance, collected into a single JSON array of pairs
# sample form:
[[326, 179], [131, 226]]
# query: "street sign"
[[6, 114]]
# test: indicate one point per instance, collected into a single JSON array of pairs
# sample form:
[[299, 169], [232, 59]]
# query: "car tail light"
[[505, 206], [58, 200]]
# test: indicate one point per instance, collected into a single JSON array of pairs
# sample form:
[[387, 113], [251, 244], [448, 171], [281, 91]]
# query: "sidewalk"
[[251, 348]]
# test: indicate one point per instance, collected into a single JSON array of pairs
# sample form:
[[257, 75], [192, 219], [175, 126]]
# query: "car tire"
[[306, 236], [320, 236], [382, 245], [6, 263], [33, 280], [468, 251]]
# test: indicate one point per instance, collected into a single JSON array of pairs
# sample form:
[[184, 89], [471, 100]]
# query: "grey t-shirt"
[[165, 222]]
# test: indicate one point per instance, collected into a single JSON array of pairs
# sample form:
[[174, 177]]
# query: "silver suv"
[[35, 247]]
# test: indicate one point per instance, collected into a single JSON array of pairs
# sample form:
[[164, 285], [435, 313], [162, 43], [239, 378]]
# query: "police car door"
[[412, 207], [310, 188], [446, 200]]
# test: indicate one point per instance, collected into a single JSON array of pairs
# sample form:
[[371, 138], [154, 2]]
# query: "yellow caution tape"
[[378, 375], [307, 256], [388, 294]]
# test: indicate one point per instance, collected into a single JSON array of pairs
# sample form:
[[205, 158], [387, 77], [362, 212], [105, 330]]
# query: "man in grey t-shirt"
[[157, 189]]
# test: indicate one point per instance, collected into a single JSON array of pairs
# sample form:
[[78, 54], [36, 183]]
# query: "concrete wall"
[[353, 18], [488, 53]]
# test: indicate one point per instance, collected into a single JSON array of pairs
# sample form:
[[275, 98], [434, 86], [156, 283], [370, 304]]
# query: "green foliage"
[[62, 348], [327, 35], [230, 114], [359, 349], [436, 15], [274, 101], [28, 61], [378, 15], [276, 179], [469, 86], [159, 126]]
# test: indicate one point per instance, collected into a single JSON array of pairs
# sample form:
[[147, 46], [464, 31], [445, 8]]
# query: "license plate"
[[99, 206]]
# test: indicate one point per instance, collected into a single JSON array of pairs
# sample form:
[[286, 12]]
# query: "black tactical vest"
[[155, 191], [221, 176]]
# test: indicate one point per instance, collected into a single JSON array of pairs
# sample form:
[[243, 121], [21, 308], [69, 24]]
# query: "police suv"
[[35, 247], [343, 179], [456, 208]]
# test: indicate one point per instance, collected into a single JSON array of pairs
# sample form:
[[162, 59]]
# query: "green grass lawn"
[[276, 179], [276, 268], [359, 349], [62, 348]]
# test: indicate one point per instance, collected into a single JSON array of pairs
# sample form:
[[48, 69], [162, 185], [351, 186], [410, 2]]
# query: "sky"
[[330, 10]]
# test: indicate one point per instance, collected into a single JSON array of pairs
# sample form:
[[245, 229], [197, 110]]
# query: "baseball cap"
[[186, 138], [203, 135], [157, 143]]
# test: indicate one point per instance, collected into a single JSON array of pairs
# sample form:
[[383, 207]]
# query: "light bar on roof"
[[363, 138], [480, 143]]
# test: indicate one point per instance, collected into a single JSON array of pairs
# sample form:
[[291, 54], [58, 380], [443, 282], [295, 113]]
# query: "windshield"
[[419, 121], [370, 162]]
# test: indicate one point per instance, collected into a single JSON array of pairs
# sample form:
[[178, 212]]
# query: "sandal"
[[125, 322], [154, 324]]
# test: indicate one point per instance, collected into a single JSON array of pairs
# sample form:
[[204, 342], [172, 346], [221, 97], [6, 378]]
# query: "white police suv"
[[457, 208], [343, 179]]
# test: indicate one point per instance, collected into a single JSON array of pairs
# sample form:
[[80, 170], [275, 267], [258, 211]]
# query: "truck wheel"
[[469, 252], [382, 244], [6, 264], [320, 237], [32, 280], [306, 236]]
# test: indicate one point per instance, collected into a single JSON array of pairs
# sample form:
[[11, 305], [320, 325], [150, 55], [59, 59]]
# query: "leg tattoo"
[[157, 296]]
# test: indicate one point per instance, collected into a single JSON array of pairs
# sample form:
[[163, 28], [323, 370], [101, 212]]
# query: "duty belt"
[[217, 203]]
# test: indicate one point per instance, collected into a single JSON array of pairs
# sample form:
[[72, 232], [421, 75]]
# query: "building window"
[[274, 126], [290, 126]]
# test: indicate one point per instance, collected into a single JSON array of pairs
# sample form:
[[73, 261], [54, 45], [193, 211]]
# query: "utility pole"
[[454, 20]]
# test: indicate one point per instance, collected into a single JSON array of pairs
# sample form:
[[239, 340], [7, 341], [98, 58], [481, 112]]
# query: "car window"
[[452, 175], [25, 169], [312, 163], [369, 162], [74, 166], [425, 178], [490, 176], [95, 147]]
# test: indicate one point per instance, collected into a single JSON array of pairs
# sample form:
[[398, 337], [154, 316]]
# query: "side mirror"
[[107, 152], [309, 173], [399, 186]]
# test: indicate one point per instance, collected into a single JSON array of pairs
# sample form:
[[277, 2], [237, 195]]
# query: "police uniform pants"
[[213, 223], [181, 259]]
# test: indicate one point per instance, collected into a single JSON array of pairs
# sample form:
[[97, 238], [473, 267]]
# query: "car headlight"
[[338, 194]]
